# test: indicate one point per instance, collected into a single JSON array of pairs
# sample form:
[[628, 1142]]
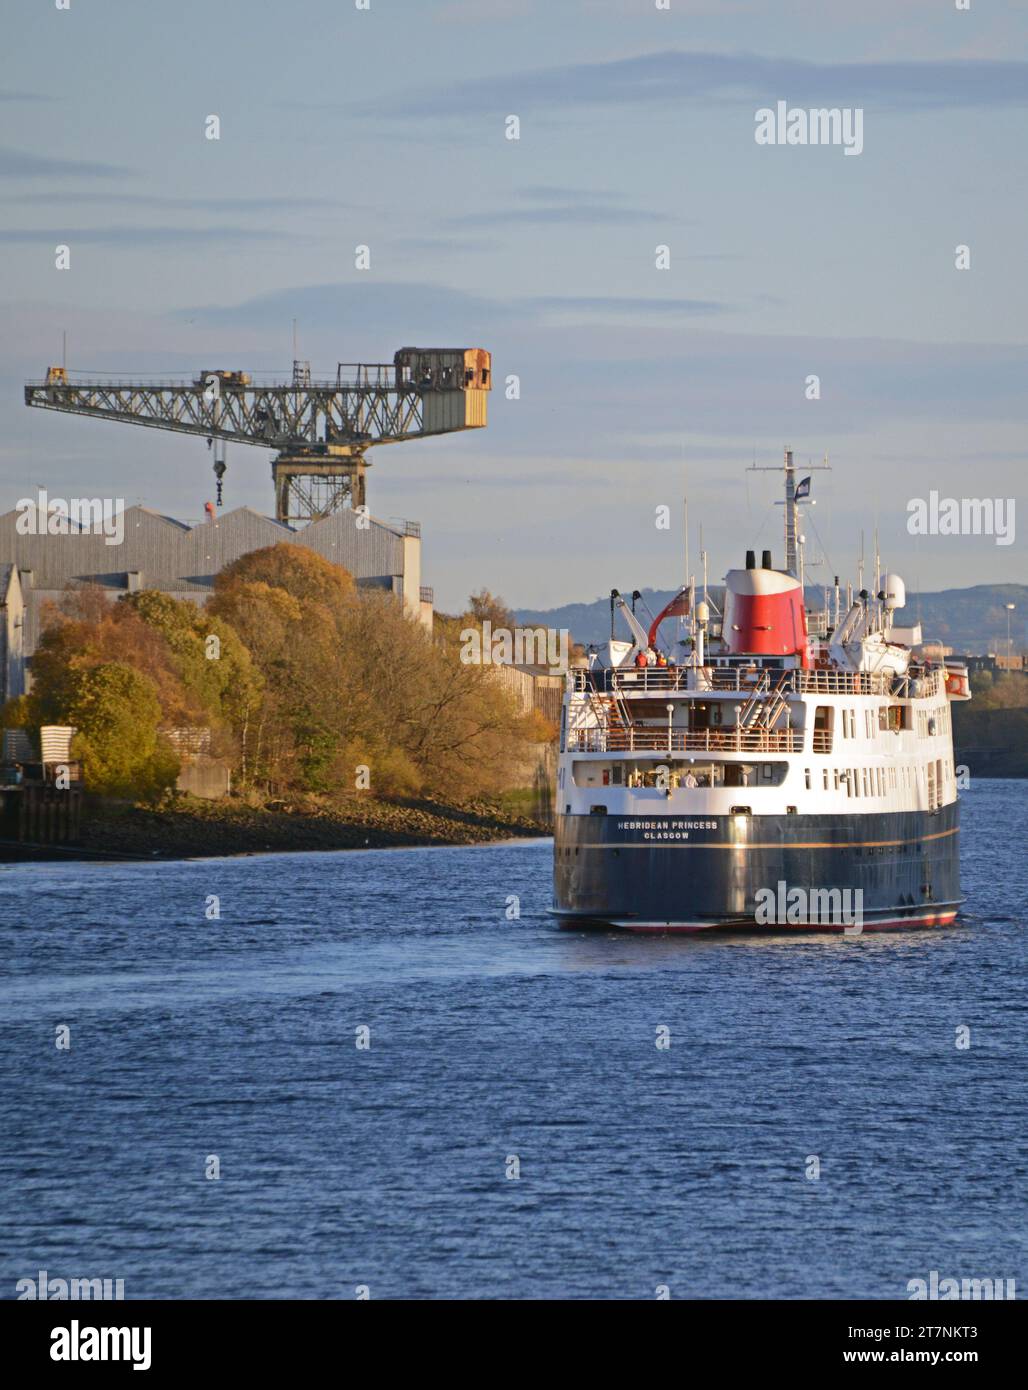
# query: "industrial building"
[[158, 552], [12, 629]]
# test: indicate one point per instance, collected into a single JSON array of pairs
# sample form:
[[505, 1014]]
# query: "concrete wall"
[[206, 777]]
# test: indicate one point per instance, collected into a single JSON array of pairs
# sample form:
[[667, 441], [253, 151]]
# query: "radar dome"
[[895, 591]]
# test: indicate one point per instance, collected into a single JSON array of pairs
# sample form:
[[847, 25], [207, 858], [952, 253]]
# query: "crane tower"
[[320, 430]]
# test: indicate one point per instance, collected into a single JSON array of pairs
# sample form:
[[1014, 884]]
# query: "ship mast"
[[793, 557]]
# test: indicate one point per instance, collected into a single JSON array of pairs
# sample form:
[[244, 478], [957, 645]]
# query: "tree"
[[485, 605], [210, 660], [116, 712], [302, 573]]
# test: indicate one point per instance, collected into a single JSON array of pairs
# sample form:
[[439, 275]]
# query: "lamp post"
[[1010, 608]]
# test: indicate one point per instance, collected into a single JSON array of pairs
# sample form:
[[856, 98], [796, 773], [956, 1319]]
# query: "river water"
[[500, 1045]]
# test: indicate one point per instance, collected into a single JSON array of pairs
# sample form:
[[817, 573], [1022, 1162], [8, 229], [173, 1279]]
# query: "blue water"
[[493, 1038]]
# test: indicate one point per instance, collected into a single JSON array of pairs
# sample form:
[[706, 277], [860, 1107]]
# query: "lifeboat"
[[958, 683]]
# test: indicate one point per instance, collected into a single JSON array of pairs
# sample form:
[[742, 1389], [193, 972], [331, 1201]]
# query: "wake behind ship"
[[780, 778]]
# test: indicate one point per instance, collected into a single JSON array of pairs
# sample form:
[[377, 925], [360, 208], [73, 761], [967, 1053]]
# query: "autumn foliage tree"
[[305, 680], [353, 682], [104, 672]]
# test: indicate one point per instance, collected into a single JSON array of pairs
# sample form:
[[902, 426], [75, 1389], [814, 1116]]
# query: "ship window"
[[826, 779], [806, 776], [823, 729], [598, 810]]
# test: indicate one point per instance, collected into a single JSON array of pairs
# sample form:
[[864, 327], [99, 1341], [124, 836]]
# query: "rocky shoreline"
[[191, 828]]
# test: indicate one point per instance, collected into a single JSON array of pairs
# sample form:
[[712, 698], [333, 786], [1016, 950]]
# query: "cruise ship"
[[794, 773]]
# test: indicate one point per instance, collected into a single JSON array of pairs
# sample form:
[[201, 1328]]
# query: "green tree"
[[212, 662], [116, 712]]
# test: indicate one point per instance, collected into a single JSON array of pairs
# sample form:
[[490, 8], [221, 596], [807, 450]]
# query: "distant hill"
[[971, 621]]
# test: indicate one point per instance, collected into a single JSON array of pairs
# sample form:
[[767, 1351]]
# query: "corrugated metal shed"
[[158, 552]]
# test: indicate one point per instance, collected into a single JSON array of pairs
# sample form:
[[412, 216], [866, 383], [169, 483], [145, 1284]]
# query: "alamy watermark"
[[56, 1290], [59, 516], [80, 1343], [962, 516], [524, 646], [785, 125], [796, 907], [975, 1289]]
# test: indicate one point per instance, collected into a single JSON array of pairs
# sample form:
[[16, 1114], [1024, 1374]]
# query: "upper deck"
[[743, 678]]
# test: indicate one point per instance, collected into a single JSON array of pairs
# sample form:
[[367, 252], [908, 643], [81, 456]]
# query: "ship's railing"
[[822, 740], [641, 680], [920, 683], [636, 740]]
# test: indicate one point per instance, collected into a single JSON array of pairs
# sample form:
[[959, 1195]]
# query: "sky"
[[386, 127]]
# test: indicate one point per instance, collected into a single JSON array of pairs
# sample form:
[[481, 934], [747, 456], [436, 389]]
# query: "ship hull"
[[704, 873]]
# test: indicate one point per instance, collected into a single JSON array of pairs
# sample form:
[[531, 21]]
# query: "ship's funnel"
[[751, 560], [766, 560], [764, 614]]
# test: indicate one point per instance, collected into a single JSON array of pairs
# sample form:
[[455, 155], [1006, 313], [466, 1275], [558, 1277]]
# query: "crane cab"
[[452, 383]]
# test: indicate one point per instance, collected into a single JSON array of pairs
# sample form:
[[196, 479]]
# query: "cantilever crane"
[[321, 430]]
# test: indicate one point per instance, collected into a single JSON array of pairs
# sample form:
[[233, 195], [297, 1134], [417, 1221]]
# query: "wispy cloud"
[[134, 236], [410, 306], [397, 308], [633, 306], [551, 205], [672, 78], [21, 164], [23, 96], [571, 214], [482, 11], [83, 198], [443, 246]]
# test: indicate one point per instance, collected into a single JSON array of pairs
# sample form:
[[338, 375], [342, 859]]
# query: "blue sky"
[[386, 127]]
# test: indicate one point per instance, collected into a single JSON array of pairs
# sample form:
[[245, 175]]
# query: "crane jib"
[[320, 429]]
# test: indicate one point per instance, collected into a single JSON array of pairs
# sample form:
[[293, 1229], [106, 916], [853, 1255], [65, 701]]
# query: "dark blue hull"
[[690, 873]]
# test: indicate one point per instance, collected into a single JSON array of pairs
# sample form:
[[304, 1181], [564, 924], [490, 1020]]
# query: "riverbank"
[[192, 828]]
